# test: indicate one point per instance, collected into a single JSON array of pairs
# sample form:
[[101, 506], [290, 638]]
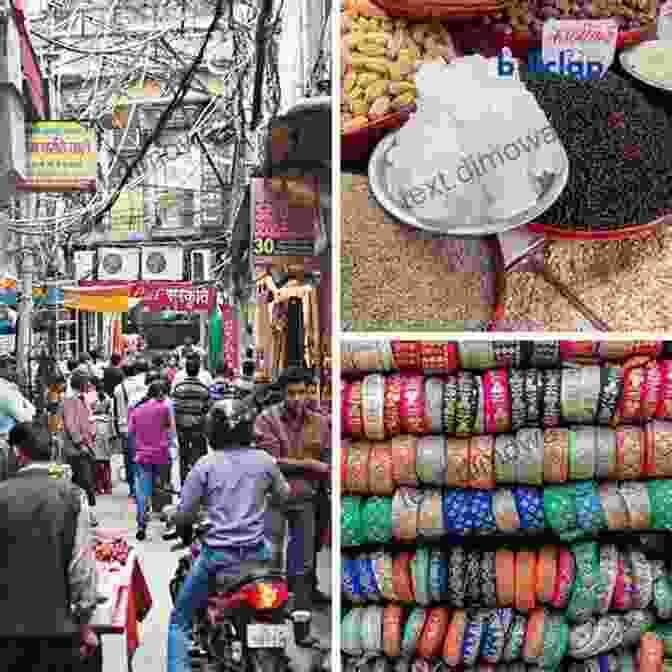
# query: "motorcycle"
[[245, 627]]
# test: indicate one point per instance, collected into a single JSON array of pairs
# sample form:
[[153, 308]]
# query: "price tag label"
[[272, 247], [264, 246], [582, 49]]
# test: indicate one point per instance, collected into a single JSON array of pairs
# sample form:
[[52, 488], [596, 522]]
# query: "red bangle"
[[434, 633], [404, 454], [497, 401], [401, 577], [412, 404], [392, 630], [631, 402], [345, 457], [440, 358], [664, 407], [381, 477], [406, 355], [651, 389], [392, 415]]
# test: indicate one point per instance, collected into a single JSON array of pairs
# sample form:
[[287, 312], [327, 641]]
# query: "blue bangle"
[[590, 516], [438, 575], [530, 507], [367, 578], [494, 636], [457, 511], [473, 636], [352, 588], [482, 513]]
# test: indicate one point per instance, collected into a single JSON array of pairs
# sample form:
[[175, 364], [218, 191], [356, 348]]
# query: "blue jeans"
[[129, 461], [194, 595], [145, 477]]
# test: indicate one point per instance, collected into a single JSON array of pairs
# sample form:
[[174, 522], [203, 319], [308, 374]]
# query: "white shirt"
[[203, 376]]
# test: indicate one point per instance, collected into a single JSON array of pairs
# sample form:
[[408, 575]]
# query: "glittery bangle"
[[661, 440], [505, 511], [430, 514], [456, 576], [534, 396], [608, 571], [438, 575], [497, 401], [367, 578], [506, 455], [373, 406], [662, 597], [565, 578], [488, 579], [401, 577], [405, 509], [547, 571], [594, 638], [530, 507], [660, 497], [477, 355], [472, 577], [381, 477], [473, 635], [614, 506], [605, 466], [412, 404], [556, 641], [642, 590], [452, 646], [449, 404], [556, 455], [438, 358], [610, 393], [526, 572], [583, 603], [412, 631], [506, 576], [482, 514], [346, 391], [636, 496], [431, 460], [635, 624], [351, 521], [392, 405], [481, 462], [530, 463], [404, 456], [630, 408], [377, 520], [436, 628], [582, 459], [350, 585], [358, 468], [518, 402], [355, 422], [457, 511], [572, 396], [533, 649], [494, 637], [545, 354], [457, 463], [552, 379], [560, 508], [345, 464], [406, 354], [652, 388], [516, 639], [579, 352], [467, 403], [433, 405], [590, 517], [392, 629], [664, 408], [508, 354], [629, 453]]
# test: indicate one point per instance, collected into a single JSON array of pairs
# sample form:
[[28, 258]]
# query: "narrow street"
[[158, 562]]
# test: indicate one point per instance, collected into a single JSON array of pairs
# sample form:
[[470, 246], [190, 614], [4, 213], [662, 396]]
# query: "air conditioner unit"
[[200, 269], [118, 263], [162, 263]]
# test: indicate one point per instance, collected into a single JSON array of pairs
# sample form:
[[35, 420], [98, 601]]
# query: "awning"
[[97, 299]]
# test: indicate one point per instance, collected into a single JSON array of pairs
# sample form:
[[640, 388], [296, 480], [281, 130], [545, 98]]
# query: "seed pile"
[[619, 149]]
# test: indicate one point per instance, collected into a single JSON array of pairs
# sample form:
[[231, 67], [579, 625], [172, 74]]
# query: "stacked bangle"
[[497, 401], [404, 458], [508, 354], [381, 472], [534, 396], [552, 385], [377, 520], [431, 460], [505, 577], [433, 419], [412, 404], [526, 572], [351, 521], [518, 403], [401, 577], [430, 514], [556, 455], [354, 424], [547, 572], [610, 393], [449, 404], [392, 624], [392, 404], [405, 507], [438, 358], [434, 634], [467, 403], [477, 355], [357, 481], [406, 355], [457, 462], [530, 462], [452, 646], [506, 454], [481, 462], [545, 354]]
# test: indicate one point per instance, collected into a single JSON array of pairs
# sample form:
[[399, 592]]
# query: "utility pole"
[[25, 319]]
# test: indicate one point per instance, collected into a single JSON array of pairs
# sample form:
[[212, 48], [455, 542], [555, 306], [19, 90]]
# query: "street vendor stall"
[[123, 585]]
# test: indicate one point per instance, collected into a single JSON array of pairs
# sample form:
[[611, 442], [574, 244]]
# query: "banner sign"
[[177, 296], [280, 230], [230, 336], [63, 158]]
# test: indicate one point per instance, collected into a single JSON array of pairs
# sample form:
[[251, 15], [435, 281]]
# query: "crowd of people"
[[156, 414]]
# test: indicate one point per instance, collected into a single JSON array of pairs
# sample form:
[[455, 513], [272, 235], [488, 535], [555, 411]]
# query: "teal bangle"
[[351, 632], [513, 649], [377, 520], [420, 570], [556, 640], [413, 631], [351, 522], [560, 509]]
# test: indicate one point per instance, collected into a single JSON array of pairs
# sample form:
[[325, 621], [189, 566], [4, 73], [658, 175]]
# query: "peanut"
[[395, 72], [373, 64], [398, 88], [377, 38], [380, 108], [404, 100], [376, 90], [349, 82], [367, 78], [359, 107], [371, 49]]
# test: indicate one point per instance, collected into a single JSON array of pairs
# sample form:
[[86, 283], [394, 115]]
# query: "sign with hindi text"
[[177, 296]]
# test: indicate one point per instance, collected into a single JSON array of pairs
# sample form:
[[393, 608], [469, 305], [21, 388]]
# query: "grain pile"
[[627, 283], [400, 275]]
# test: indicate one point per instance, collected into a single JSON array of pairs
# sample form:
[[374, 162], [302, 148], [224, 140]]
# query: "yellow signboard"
[[63, 158]]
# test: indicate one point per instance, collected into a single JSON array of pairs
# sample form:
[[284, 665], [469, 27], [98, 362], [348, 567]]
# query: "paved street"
[[158, 564]]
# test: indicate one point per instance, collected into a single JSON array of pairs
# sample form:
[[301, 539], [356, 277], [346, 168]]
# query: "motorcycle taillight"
[[266, 594]]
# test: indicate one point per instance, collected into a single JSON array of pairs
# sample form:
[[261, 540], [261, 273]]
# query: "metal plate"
[[552, 188], [629, 59], [262, 636]]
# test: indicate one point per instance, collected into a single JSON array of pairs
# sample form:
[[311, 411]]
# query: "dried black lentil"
[[619, 148]]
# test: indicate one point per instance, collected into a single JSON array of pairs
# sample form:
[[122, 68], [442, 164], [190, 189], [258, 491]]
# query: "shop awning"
[[98, 298]]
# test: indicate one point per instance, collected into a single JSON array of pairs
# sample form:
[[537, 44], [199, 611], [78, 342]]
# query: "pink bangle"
[[412, 404], [567, 351], [619, 600], [497, 401], [651, 389], [664, 407], [564, 581], [346, 396]]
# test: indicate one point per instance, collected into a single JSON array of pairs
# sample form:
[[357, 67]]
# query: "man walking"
[[113, 374], [191, 402], [48, 573], [300, 441]]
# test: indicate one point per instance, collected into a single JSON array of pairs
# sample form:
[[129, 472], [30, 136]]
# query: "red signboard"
[[230, 336], [159, 296]]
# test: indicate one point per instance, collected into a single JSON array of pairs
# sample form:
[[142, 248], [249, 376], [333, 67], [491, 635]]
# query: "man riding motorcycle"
[[234, 483]]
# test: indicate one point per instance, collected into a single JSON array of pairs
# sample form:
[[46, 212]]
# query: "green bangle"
[[556, 640], [662, 597], [420, 571], [351, 522], [660, 498], [515, 640], [413, 631], [584, 602], [560, 508], [351, 632], [664, 632], [376, 520]]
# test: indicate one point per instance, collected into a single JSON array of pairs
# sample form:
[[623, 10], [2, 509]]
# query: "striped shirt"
[[191, 401]]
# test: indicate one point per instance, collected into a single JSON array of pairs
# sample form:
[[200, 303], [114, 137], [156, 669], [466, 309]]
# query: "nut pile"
[[630, 14], [379, 59], [113, 551]]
